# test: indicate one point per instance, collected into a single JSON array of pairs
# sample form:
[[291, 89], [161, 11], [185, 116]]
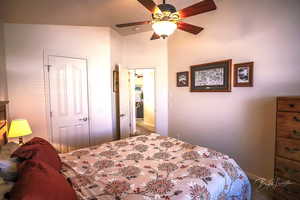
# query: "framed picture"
[[211, 77], [182, 79], [116, 81], [243, 74]]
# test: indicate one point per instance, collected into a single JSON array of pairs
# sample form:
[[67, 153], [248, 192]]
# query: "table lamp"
[[19, 128]]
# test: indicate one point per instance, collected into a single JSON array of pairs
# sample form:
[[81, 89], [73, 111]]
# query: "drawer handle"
[[296, 119], [296, 133], [291, 105], [291, 150]]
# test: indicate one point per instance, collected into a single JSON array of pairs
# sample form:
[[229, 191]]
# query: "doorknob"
[[83, 119], [122, 115]]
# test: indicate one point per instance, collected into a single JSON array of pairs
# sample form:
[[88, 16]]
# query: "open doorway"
[[142, 101]]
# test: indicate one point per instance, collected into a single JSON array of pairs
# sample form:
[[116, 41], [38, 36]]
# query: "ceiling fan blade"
[[189, 28], [198, 8], [132, 24], [155, 36], [149, 4]]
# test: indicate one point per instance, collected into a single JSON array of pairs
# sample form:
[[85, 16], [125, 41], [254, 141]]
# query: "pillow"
[[39, 149], [7, 150], [8, 169], [38, 140], [39, 181]]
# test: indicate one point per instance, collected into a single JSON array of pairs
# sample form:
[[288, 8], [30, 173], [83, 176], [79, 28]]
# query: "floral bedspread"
[[154, 167]]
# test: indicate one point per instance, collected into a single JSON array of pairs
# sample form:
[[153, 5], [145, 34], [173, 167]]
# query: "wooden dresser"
[[287, 153]]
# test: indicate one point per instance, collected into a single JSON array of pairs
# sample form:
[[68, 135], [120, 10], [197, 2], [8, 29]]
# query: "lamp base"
[[21, 140]]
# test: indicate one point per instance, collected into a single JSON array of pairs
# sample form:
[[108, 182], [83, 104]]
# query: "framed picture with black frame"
[[243, 74], [211, 77], [182, 79]]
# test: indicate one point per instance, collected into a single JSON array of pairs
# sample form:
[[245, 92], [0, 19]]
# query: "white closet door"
[[69, 103], [124, 102]]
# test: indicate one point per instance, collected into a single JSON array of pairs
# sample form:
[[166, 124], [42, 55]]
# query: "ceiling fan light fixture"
[[166, 19], [164, 28]]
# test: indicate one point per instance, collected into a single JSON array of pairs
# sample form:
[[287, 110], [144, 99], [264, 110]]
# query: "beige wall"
[[3, 85], [240, 123], [24, 47], [140, 52], [116, 59]]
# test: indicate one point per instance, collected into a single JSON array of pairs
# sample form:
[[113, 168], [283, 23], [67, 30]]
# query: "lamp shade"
[[164, 28], [19, 128]]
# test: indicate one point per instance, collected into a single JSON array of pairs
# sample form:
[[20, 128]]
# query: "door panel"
[[124, 102], [132, 103], [69, 103]]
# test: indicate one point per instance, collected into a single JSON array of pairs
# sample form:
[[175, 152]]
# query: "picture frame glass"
[[209, 77], [182, 79], [243, 74], [115, 81]]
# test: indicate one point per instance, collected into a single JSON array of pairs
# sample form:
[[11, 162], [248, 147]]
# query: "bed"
[[137, 168], [154, 167]]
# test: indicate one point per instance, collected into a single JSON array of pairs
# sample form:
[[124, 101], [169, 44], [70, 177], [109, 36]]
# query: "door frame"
[[155, 97], [57, 53]]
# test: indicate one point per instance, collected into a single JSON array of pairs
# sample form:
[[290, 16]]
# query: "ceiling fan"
[[166, 19]]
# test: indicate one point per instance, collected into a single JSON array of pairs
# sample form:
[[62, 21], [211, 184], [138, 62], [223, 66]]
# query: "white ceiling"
[[81, 12]]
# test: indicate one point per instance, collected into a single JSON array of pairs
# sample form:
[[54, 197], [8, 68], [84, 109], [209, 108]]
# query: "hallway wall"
[[149, 97]]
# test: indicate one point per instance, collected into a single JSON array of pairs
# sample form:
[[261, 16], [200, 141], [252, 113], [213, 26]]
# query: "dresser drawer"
[[289, 191], [288, 104], [288, 148], [288, 125], [288, 169]]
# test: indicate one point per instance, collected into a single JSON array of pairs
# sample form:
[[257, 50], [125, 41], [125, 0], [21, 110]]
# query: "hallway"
[[142, 128]]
